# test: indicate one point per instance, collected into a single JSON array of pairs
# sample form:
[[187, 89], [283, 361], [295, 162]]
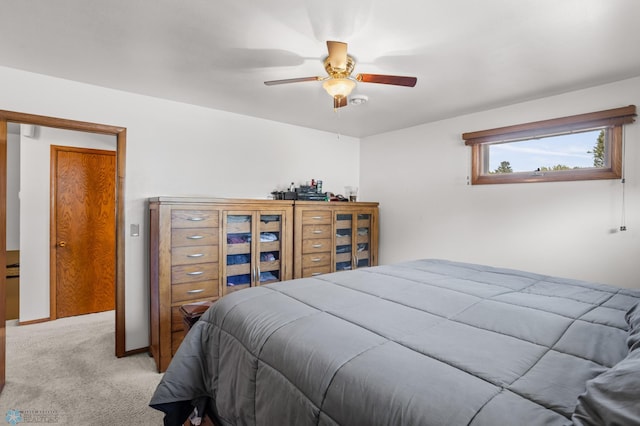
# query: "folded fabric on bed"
[[612, 397], [633, 319], [427, 342]]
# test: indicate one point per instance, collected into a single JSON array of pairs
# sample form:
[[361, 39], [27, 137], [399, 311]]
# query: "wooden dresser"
[[337, 236], [204, 248]]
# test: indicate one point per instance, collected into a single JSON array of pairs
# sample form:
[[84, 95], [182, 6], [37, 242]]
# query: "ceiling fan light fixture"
[[339, 86], [339, 83]]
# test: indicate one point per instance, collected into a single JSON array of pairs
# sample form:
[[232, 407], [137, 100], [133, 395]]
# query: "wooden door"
[[83, 231]]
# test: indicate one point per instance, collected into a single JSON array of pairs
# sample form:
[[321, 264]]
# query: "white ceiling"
[[468, 55]]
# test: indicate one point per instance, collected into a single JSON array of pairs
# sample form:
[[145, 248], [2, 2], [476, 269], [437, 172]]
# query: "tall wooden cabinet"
[[204, 248], [331, 237]]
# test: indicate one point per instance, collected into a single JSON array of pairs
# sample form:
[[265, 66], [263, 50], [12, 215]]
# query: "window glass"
[[560, 152]]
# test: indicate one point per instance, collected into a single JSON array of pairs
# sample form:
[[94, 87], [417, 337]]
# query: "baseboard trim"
[[35, 321], [135, 352]]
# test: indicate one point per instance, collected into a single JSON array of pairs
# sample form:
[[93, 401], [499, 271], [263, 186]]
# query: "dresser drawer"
[[194, 237], [194, 218], [312, 272], [192, 273], [316, 217], [194, 254], [188, 292], [316, 245], [315, 259], [316, 231]]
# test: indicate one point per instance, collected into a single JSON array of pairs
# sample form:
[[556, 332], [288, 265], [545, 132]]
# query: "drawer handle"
[[316, 259], [200, 290], [316, 245], [195, 219], [317, 231], [317, 217], [195, 273], [195, 255], [316, 273], [195, 237]]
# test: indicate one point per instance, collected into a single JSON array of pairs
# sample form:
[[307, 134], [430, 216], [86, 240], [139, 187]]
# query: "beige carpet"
[[65, 372]]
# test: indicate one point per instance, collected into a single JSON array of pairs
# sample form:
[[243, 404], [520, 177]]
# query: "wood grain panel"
[[177, 323], [85, 230], [243, 248], [270, 226], [269, 246], [176, 339], [270, 266], [238, 269]]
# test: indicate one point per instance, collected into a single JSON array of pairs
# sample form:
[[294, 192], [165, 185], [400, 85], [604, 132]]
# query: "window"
[[580, 147]]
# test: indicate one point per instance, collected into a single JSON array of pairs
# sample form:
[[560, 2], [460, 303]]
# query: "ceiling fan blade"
[[339, 101], [395, 80], [292, 80], [337, 54]]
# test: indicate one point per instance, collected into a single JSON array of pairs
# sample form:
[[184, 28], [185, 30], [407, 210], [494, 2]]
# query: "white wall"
[[35, 168], [13, 188], [566, 229], [176, 149]]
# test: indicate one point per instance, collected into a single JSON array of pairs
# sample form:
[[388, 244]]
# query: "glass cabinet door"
[[239, 268], [353, 241], [362, 255], [344, 242], [269, 247], [254, 248]]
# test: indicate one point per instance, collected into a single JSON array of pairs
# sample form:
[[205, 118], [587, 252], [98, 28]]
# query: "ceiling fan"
[[339, 83]]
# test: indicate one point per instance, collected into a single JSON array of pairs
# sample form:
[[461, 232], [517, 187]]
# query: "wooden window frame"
[[613, 120]]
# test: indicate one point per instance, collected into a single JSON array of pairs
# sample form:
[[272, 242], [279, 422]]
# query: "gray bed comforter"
[[428, 342]]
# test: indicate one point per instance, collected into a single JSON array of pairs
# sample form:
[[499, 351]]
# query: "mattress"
[[426, 342]]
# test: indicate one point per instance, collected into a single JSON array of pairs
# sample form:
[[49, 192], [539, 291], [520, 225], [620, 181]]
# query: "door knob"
[[62, 244]]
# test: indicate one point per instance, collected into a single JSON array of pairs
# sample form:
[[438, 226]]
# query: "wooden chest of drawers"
[[330, 237]]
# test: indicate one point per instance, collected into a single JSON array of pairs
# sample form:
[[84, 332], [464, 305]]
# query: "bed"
[[425, 342]]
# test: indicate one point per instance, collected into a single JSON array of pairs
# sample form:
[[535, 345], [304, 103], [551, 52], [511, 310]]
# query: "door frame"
[[121, 142]]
